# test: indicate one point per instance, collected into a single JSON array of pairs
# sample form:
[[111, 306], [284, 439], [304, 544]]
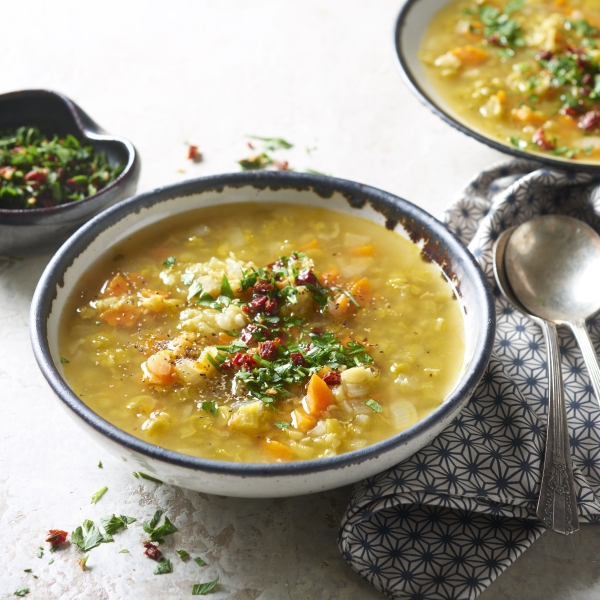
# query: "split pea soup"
[[523, 72], [288, 333]]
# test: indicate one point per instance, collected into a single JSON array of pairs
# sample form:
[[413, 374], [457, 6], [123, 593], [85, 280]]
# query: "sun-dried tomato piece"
[[152, 551], [271, 306], [332, 378], [539, 138], [257, 304], [590, 120], [307, 277], [56, 537], [262, 288], [298, 359], [268, 350], [39, 176], [544, 55], [193, 153], [246, 361], [249, 330]]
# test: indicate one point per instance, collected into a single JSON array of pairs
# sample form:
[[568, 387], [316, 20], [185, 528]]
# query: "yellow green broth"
[[411, 325], [537, 89]]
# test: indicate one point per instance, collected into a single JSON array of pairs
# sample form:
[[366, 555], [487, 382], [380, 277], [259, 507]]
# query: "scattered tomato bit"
[[152, 551]]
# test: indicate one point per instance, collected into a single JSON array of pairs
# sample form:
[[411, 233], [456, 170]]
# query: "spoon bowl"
[[553, 265]]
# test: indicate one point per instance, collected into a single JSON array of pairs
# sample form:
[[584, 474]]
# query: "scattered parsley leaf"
[[169, 262], [200, 589], [156, 533], [124, 551], [164, 566], [260, 161], [112, 523], [100, 464], [183, 555], [64, 361], [213, 362], [99, 494], [50, 561], [21, 592], [273, 143], [200, 562], [83, 562], [136, 475], [282, 425], [375, 406], [40, 552], [27, 570], [148, 477]]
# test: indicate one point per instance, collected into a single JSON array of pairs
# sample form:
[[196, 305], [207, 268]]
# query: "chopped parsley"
[[99, 494], [375, 406], [164, 566], [273, 143], [257, 162], [64, 361], [282, 425], [145, 476], [40, 552], [210, 407], [112, 523], [498, 28], [155, 531], [24, 591], [169, 262], [100, 464], [183, 555], [201, 589], [199, 561], [83, 562], [124, 551], [88, 536]]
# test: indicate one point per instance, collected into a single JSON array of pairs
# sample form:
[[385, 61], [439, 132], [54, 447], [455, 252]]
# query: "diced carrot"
[[161, 369], [116, 286], [281, 283], [366, 250], [318, 396], [224, 338], [501, 95], [362, 291], [310, 246], [470, 55], [339, 306], [126, 315], [146, 293], [276, 449], [330, 276], [323, 371], [303, 421], [526, 115]]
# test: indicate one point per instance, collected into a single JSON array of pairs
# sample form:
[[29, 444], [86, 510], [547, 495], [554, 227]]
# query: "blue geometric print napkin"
[[446, 522]]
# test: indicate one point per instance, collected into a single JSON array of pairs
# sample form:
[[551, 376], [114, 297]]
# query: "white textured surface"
[[317, 73]]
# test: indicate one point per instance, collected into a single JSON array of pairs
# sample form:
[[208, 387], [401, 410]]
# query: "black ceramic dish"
[[411, 25], [41, 230], [262, 480]]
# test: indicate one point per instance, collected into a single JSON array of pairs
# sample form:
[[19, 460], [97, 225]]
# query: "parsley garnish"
[[112, 523], [64, 361], [282, 425], [170, 262], [99, 494], [183, 555], [226, 288], [199, 561], [211, 407], [164, 566], [89, 536], [200, 589], [40, 552], [83, 562], [145, 476], [273, 143], [100, 464], [124, 551], [25, 591], [499, 28], [375, 406], [260, 161], [156, 533]]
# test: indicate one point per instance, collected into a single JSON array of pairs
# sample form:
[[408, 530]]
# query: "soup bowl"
[[411, 25], [118, 223]]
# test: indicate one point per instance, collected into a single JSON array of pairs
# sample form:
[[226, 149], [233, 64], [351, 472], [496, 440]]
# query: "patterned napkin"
[[446, 522]]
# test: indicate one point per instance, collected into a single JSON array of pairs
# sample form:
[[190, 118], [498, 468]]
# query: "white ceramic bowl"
[[262, 480], [411, 25]]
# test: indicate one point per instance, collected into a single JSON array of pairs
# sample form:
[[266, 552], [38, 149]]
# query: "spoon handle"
[[557, 505], [589, 355]]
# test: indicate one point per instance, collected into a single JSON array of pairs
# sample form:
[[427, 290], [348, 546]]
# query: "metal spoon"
[[553, 264], [557, 505]]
